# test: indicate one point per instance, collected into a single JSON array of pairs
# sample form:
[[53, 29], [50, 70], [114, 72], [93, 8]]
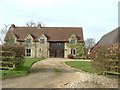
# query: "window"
[[73, 51], [73, 41], [12, 41], [28, 41], [28, 52], [42, 41]]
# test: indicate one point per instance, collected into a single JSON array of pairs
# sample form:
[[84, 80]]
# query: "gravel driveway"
[[48, 73], [52, 73]]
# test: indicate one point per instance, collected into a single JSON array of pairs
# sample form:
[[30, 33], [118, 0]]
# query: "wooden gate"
[[7, 60], [56, 49]]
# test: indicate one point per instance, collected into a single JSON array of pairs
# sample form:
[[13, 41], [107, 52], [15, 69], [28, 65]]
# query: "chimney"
[[39, 26], [12, 25]]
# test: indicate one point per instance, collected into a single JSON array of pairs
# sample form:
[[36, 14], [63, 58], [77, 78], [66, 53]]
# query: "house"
[[110, 39], [45, 41]]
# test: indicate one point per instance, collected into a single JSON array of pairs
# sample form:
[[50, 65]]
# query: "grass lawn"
[[22, 70], [82, 65]]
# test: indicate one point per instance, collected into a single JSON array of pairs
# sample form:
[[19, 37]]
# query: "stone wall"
[[30, 46], [39, 50], [67, 51]]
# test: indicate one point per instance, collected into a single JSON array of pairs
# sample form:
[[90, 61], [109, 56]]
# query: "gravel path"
[[87, 80], [52, 73]]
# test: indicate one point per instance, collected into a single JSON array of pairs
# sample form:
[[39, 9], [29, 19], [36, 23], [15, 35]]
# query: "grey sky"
[[97, 17]]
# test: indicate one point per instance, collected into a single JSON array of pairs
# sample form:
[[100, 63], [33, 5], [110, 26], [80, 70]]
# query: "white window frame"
[[28, 41], [75, 41], [28, 54], [42, 41], [73, 51]]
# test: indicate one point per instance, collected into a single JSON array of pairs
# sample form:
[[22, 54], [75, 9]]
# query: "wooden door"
[[56, 49]]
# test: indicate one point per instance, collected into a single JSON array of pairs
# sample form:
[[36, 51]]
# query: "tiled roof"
[[52, 33], [110, 38]]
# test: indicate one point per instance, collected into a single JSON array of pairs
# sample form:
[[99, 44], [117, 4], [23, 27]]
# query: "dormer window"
[[73, 41], [28, 41], [12, 41], [42, 41]]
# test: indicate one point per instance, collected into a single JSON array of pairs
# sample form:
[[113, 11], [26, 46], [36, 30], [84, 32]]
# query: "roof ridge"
[[110, 32], [45, 27], [108, 35]]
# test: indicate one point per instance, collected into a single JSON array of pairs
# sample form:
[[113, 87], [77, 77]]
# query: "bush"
[[106, 59], [17, 49], [70, 56], [19, 61]]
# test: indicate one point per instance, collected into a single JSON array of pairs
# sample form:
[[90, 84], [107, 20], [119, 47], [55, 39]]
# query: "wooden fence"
[[113, 69], [7, 60]]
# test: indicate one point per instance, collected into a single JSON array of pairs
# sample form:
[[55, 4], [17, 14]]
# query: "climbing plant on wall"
[[79, 47]]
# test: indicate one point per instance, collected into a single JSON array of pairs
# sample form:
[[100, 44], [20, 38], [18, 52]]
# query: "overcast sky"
[[97, 17]]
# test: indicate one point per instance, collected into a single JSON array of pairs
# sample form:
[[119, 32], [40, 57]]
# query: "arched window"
[[73, 51]]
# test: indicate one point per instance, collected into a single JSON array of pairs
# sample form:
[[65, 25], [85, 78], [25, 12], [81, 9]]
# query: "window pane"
[[28, 41], [72, 41], [28, 52], [73, 51], [42, 41]]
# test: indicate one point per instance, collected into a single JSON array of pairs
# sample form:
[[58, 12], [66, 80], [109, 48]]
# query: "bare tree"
[[89, 42], [3, 32], [31, 23]]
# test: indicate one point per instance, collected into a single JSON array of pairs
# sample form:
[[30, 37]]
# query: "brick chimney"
[[39, 26], [12, 25]]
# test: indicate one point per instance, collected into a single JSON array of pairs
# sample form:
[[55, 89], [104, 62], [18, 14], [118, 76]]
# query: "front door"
[[56, 49]]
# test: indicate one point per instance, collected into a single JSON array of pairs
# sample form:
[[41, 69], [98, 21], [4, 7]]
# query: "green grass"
[[82, 65], [22, 70]]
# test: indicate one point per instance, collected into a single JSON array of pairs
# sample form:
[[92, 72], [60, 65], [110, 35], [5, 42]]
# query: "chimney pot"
[[39, 26], [12, 25]]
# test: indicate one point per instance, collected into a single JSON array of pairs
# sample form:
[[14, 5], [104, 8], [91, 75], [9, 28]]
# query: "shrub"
[[94, 51], [17, 49], [70, 56], [106, 59]]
